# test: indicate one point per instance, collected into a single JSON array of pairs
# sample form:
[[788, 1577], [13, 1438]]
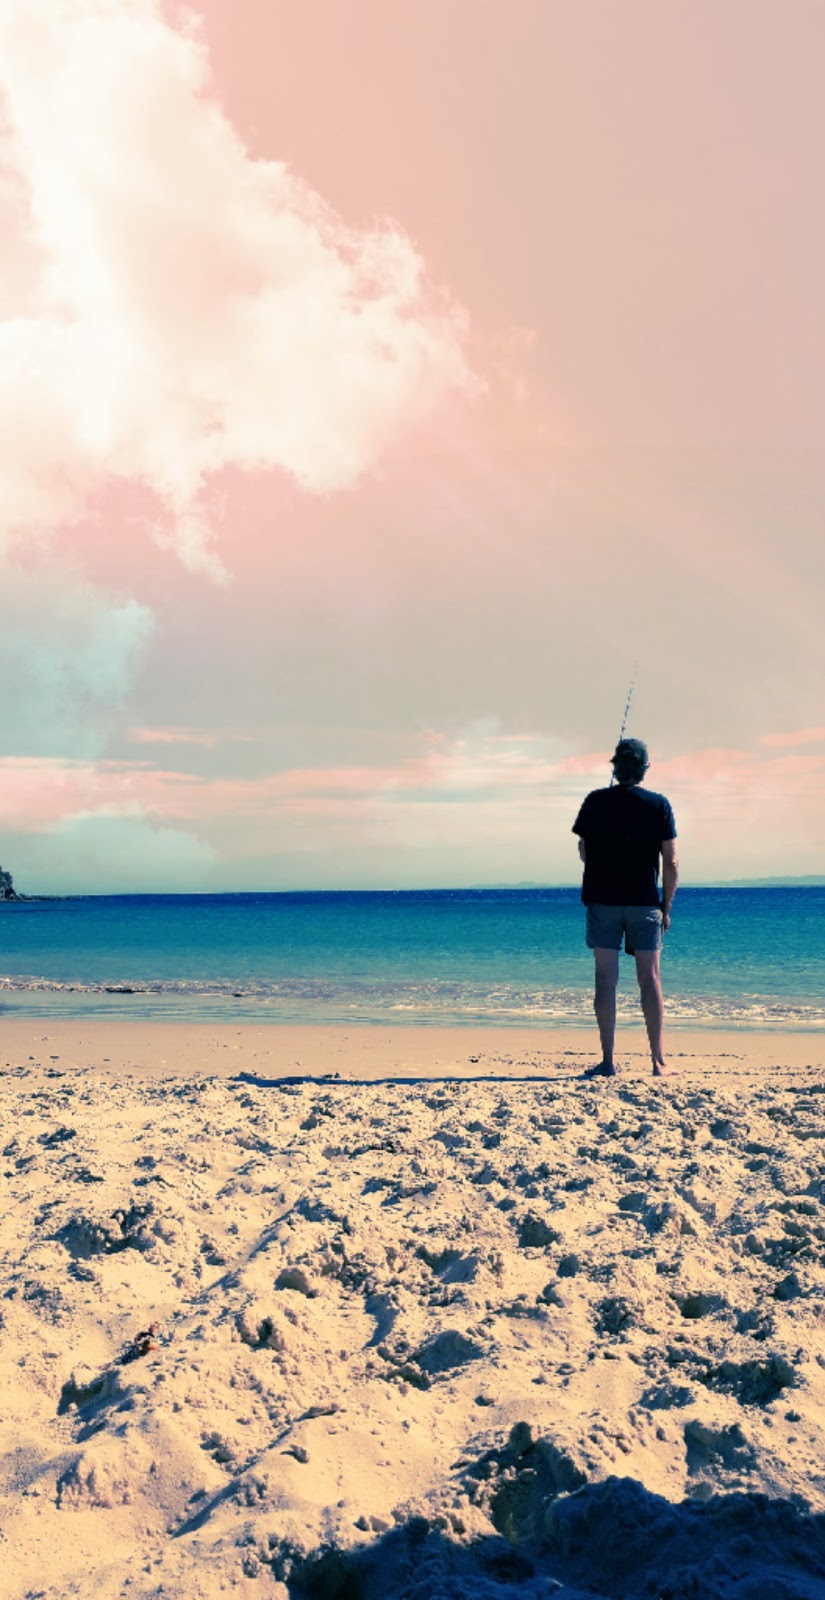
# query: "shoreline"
[[371, 1052]]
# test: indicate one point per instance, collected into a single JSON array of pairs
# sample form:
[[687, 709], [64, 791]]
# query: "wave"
[[377, 1001]]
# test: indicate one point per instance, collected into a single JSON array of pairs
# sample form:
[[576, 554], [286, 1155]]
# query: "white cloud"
[[196, 308]]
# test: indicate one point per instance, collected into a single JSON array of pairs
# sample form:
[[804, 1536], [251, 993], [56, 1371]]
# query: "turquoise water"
[[733, 958]]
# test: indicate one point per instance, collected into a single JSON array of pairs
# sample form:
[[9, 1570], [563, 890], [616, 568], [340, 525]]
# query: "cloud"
[[480, 806], [110, 852], [172, 736], [196, 309], [801, 736], [38, 794], [69, 652]]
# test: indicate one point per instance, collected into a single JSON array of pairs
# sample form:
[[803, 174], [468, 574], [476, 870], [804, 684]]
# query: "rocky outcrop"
[[7, 889]]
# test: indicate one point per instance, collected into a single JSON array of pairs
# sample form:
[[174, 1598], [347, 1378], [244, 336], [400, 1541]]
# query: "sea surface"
[[734, 957]]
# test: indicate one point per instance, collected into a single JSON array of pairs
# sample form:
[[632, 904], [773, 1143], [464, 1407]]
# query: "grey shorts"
[[640, 925]]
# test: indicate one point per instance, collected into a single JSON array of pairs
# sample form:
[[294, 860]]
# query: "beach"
[[412, 575], [410, 1312]]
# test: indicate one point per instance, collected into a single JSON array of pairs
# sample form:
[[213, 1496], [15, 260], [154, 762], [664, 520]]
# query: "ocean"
[[734, 958]]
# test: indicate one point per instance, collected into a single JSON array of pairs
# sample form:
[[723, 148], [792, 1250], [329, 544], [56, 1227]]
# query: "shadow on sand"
[[333, 1080], [612, 1540]]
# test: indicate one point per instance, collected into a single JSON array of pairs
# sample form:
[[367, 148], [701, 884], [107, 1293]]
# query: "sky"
[[382, 389]]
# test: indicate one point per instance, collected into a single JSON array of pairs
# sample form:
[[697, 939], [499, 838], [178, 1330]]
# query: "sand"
[[446, 1322]]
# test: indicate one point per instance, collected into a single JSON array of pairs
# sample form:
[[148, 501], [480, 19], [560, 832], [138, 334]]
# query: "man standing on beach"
[[623, 831]]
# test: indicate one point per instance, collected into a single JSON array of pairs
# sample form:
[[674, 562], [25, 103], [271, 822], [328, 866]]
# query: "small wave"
[[375, 1001]]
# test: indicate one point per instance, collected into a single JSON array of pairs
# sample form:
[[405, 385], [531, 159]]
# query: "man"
[[623, 831]]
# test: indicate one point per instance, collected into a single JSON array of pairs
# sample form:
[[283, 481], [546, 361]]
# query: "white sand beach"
[[415, 1312]]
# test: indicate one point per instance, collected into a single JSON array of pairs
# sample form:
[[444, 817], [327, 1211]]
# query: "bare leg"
[[604, 1005], [650, 989]]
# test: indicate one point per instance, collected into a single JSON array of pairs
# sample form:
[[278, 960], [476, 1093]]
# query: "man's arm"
[[670, 879], [582, 851]]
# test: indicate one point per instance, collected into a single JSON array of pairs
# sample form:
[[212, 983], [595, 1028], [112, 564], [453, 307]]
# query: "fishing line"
[[627, 709]]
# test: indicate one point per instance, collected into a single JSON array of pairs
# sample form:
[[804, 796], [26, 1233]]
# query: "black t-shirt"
[[623, 829]]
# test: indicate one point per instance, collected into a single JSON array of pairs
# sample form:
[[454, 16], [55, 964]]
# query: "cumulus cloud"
[[195, 309]]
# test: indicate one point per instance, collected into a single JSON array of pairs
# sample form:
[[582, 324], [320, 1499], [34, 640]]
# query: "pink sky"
[[378, 383]]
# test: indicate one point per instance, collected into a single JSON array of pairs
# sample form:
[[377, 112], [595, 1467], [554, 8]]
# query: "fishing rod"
[[627, 709]]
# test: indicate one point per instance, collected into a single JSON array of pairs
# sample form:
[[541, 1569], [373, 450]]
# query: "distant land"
[[808, 881], [811, 879]]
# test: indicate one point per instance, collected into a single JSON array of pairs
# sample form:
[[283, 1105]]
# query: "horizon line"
[[806, 880]]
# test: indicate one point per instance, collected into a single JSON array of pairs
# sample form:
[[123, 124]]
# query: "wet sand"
[[178, 1049]]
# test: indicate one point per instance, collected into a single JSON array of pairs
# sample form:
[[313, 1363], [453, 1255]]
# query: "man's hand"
[[670, 878]]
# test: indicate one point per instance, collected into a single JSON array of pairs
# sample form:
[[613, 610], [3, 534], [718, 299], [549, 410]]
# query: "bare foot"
[[660, 1070], [605, 1069]]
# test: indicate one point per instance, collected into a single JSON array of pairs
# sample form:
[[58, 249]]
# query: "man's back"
[[623, 828]]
